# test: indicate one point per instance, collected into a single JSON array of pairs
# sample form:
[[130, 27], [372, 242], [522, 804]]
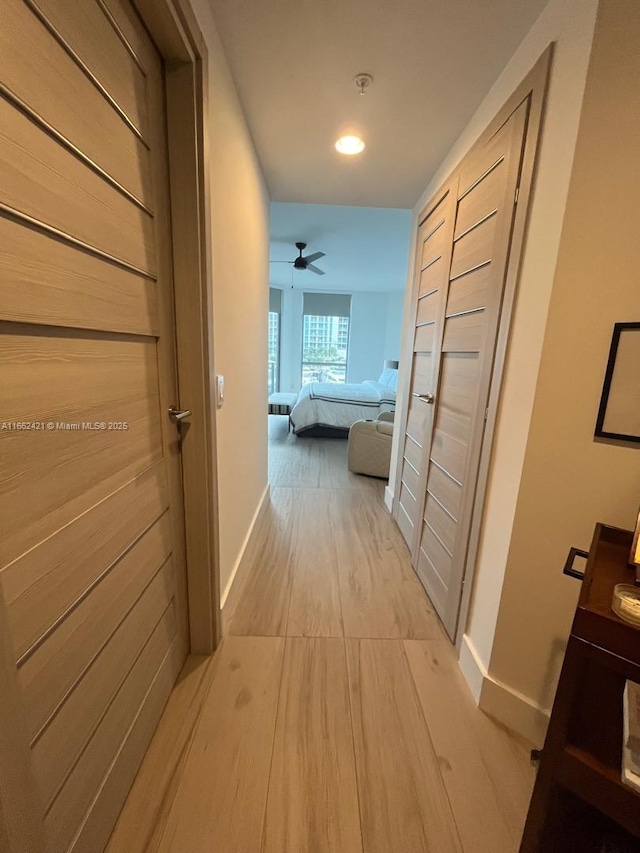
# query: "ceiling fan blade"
[[315, 269], [314, 257], [280, 262]]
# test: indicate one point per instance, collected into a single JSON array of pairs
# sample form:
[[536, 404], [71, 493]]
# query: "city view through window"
[[325, 343]]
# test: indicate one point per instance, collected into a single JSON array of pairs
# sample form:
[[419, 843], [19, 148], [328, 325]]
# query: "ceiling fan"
[[305, 263]]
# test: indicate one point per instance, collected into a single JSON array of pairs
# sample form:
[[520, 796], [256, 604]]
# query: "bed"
[[331, 408]]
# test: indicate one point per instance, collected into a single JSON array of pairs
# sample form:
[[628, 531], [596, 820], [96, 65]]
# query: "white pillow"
[[389, 377]]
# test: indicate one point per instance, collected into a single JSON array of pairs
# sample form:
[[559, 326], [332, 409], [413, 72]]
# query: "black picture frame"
[[569, 566], [600, 432]]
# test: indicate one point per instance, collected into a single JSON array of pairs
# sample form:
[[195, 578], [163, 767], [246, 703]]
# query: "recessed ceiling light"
[[350, 145]]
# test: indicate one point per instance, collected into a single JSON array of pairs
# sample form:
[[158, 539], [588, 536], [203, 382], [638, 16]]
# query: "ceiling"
[[366, 248], [432, 62]]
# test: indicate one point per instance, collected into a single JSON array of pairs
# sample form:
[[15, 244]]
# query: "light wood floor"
[[333, 719]]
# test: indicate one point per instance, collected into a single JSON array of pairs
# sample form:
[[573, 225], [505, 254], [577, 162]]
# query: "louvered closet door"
[[92, 556], [433, 259], [471, 293]]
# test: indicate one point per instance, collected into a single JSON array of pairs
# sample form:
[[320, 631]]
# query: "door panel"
[[440, 521], [481, 203], [427, 308], [446, 490], [58, 748], [412, 453], [416, 421], [65, 99], [45, 181], [74, 800], [59, 377], [422, 379], [438, 555], [77, 554], [457, 394], [433, 254], [434, 240], [448, 454], [410, 478], [474, 248], [431, 277], [92, 562], [469, 292], [408, 500], [59, 663], [428, 574], [464, 332], [49, 282], [404, 522], [91, 35], [424, 338]]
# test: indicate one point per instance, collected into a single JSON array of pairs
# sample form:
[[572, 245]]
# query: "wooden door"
[[464, 329], [92, 560], [433, 261]]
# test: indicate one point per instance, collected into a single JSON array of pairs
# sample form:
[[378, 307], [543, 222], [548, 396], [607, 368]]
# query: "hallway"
[[333, 717]]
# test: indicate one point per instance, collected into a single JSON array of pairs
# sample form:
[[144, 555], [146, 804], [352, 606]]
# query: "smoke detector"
[[363, 81]]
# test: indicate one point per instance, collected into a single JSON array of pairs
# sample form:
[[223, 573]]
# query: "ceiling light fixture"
[[350, 145]]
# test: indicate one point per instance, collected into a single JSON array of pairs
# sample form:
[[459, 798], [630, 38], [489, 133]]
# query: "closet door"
[[453, 362], [433, 260]]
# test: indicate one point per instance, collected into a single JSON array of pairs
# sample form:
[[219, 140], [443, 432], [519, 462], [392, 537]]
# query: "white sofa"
[[369, 449]]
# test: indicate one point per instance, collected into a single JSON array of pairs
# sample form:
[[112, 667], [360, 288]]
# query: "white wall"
[[568, 23], [393, 333], [240, 242], [376, 325]]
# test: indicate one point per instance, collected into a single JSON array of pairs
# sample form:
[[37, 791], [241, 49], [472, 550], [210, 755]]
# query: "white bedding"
[[332, 404]]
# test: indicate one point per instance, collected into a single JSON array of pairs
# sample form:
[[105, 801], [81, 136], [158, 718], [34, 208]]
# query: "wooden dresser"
[[579, 803]]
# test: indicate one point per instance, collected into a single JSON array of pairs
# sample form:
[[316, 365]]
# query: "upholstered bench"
[[281, 404]]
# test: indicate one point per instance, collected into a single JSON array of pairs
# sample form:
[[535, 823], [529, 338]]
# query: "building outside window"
[[325, 337]]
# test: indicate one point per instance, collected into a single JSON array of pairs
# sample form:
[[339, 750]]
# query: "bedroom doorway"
[[334, 318]]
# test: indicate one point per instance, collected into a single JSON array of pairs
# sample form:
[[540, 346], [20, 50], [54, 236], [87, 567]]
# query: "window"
[[275, 304], [325, 337]]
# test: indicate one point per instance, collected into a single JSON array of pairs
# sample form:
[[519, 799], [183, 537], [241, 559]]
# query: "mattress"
[[336, 406]]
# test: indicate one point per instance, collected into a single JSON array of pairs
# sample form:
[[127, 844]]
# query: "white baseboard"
[[514, 710], [472, 667], [388, 498], [246, 551]]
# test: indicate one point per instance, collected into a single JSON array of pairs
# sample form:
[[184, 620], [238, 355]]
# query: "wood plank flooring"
[[333, 718], [313, 798]]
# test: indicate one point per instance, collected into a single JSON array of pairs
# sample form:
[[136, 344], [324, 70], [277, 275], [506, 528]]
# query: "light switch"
[[219, 391]]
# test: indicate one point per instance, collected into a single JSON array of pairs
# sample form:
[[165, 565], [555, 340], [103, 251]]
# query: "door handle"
[[179, 415], [426, 398]]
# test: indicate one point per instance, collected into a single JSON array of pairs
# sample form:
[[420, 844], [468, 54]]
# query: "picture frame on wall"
[[619, 411]]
